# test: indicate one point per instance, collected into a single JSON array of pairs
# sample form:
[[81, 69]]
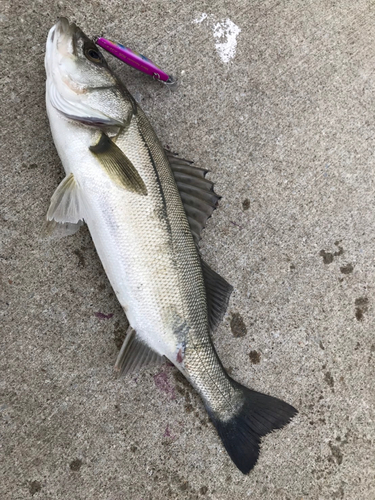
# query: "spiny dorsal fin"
[[135, 354], [200, 200], [197, 193], [118, 166], [218, 292]]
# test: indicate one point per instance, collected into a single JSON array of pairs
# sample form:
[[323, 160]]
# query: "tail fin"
[[259, 415]]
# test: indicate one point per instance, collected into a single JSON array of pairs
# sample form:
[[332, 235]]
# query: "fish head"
[[79, 82], [74, 59]]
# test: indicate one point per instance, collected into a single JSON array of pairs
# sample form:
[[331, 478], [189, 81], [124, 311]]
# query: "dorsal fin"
[[218, 292], [200, 200], [135, 354], [197, 193]]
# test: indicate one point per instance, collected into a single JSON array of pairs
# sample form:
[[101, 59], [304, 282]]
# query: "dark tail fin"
[[259, 415]]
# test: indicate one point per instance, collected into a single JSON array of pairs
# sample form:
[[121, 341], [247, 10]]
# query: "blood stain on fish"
[[101, 315], [161, 380], [167, 432]]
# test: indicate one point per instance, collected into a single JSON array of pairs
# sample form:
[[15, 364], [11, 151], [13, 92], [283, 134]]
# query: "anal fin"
[[135, 354]]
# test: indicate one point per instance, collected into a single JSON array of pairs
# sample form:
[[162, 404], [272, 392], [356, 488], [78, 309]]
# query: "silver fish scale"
[[200, 363]]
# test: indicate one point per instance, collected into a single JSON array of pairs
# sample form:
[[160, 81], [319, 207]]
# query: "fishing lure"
[[134, 59]]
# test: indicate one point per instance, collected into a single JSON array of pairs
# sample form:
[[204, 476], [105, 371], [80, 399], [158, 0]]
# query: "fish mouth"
[[60, 57], [63, 28], [61, 41]]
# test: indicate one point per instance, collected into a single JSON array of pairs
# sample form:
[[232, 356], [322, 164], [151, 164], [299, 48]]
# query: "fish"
[[145, 208]]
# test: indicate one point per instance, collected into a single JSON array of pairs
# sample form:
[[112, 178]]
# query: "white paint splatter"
[[198, 20], [225, 32]]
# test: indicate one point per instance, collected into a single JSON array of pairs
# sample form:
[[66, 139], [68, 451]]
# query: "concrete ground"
[[285, 122]]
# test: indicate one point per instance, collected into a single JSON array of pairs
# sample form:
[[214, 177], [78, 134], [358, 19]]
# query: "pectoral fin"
[[135, 354], [118, 166]]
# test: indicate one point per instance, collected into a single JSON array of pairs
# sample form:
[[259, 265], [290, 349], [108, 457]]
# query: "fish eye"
[[93, 55]]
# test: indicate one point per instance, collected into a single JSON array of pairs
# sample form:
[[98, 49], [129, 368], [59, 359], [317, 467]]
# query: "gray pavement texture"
[[287, 129]]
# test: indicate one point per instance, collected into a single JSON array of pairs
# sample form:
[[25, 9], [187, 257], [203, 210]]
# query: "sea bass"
[[145, 209]]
